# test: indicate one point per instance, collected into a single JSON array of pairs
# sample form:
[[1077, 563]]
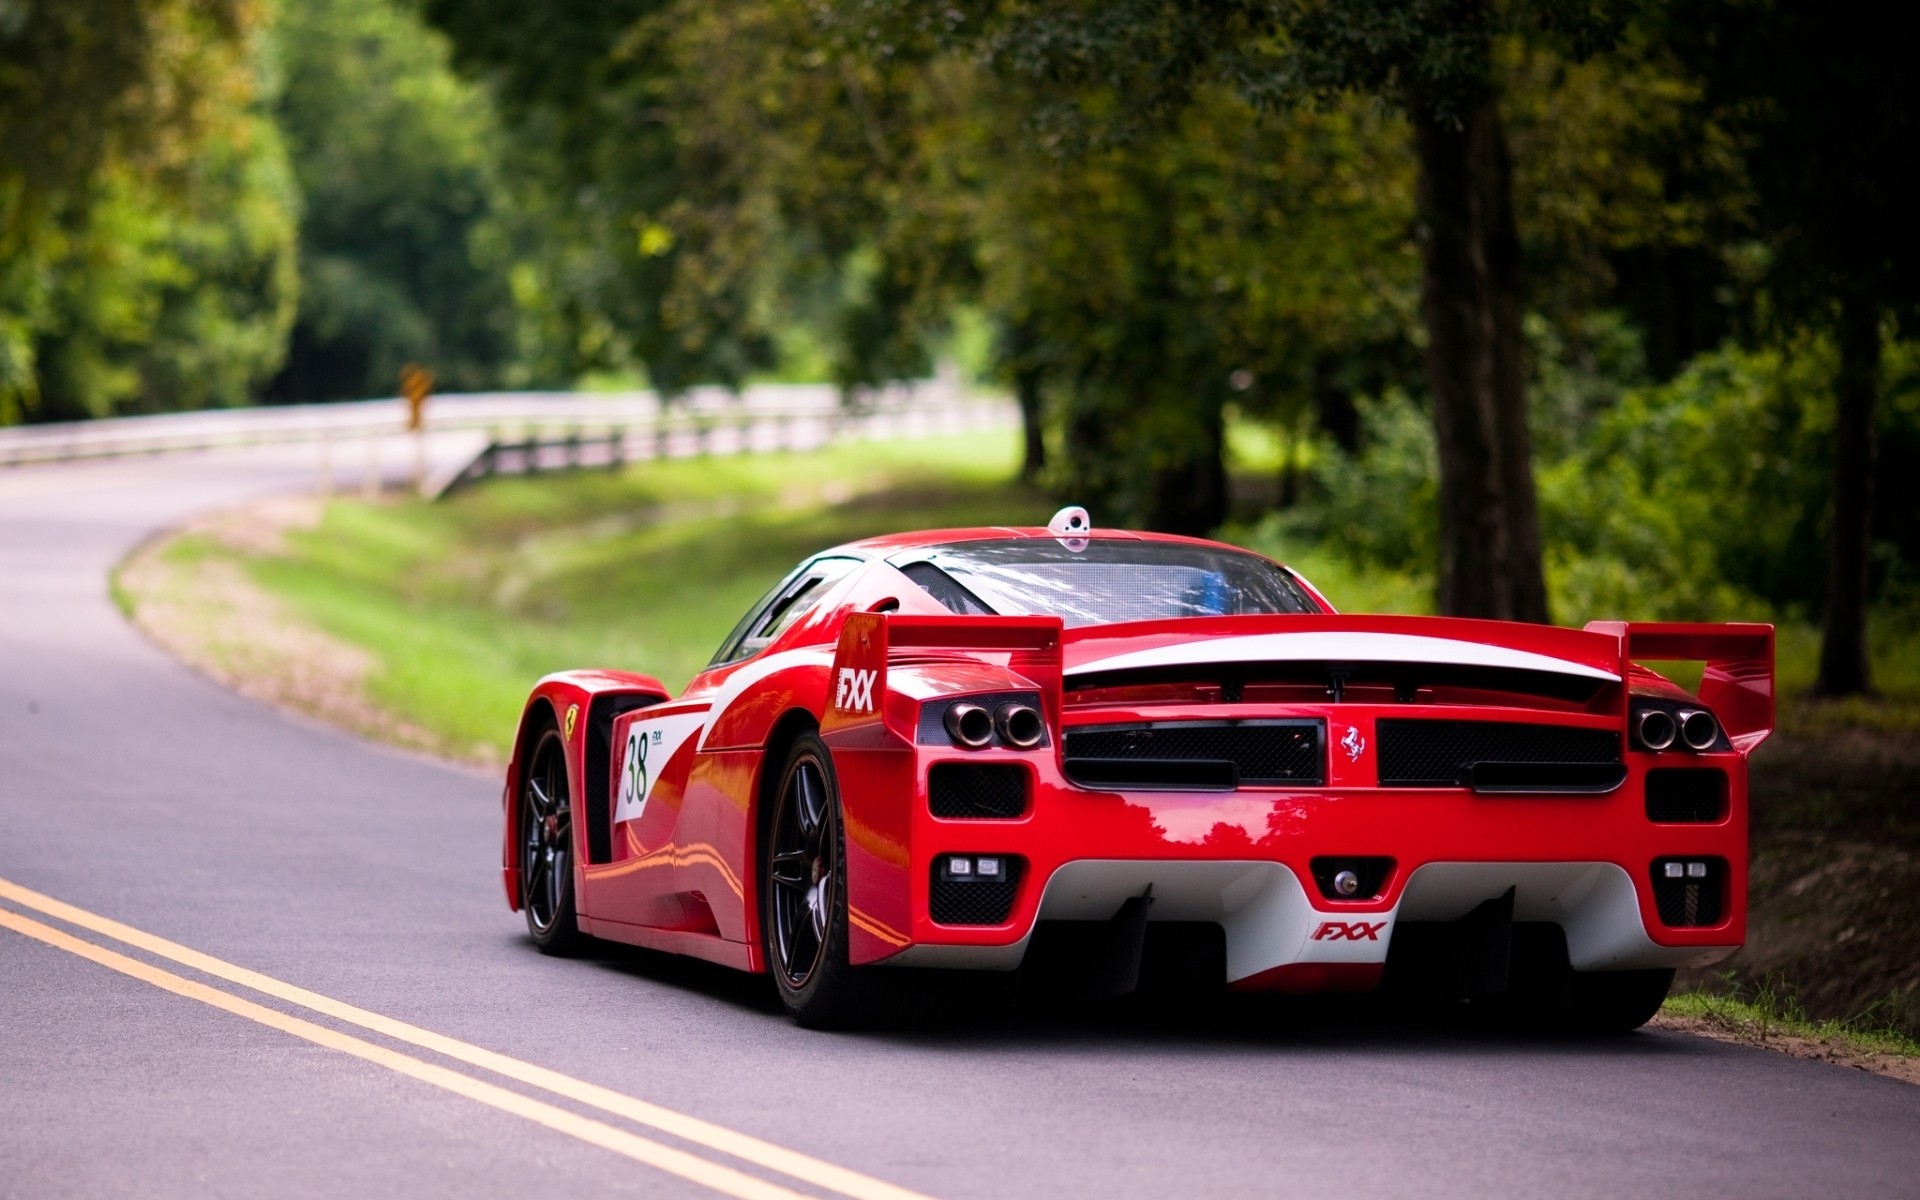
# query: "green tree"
[[1133, 280], [85, 83], [1434, 61], [146, 211], [585, 84], [1827, 99], [407, 238]]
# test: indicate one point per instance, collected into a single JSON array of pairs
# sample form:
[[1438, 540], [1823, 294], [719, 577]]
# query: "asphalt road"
[[140, 793]]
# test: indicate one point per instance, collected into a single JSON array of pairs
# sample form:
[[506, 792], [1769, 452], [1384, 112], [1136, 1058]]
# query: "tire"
[[545, 817], [1578, 1002], [803, 895], [1546, 995], [1614, 1001]]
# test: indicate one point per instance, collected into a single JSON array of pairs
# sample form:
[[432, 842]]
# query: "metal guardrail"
[[642, 426], [744, 430]]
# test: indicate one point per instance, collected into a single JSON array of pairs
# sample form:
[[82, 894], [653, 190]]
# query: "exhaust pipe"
[[1699, 730], [1657, 729], [1020, 725], [969, 725]]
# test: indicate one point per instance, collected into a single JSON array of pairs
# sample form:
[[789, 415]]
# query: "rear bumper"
[[1242, 859], [1277, 938]]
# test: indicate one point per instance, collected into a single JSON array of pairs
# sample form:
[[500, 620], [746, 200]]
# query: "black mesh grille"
[[977, 790], [1260, 752], [1686, 795], [974, 901], [1690, 901], [1441, 753]]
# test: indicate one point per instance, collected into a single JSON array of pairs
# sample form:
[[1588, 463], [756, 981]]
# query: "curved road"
[[177, 819]]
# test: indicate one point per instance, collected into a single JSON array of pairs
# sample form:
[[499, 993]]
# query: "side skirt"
[[694, 945]]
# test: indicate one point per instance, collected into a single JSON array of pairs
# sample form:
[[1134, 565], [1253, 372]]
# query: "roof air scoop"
[[1071, 525]]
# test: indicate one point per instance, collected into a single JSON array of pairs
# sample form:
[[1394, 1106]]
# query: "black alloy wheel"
[[546, 847], [804, 894]]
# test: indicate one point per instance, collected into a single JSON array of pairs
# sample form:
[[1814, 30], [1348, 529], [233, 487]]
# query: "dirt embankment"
[[1834, 896], [191, 594]]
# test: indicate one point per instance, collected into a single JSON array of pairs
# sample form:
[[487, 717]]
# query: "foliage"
[[1819, 95], [89, 83], [591, 88], [407, 242], [1371, 510], [1145, 214], [151, 268], [1631, 196], [1639, 498], [866, 196]]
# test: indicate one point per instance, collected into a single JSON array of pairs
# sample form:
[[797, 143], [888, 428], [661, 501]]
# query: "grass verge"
[[456, 607], [1769, 1015]]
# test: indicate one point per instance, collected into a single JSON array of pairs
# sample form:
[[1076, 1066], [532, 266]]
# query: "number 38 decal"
[[651, 744]]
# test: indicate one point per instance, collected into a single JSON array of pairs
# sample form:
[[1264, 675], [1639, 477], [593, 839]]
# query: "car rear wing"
[[1737, 683], [870, 642]]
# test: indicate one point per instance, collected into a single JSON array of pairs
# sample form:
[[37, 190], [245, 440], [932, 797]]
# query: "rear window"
[[1101, 581]]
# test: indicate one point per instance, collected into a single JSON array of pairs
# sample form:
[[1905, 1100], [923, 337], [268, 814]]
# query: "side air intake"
[[976, 791]]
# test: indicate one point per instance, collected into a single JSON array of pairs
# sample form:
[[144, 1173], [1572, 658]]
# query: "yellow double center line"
[[719, 1177]]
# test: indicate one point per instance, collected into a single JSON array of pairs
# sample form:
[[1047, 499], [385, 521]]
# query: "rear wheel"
[[1614, 1001], [546, 848], [803, 895], [1568, 1001], [1546, 994]]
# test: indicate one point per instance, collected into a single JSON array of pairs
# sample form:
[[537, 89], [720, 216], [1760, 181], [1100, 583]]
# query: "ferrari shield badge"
[[573, 718]]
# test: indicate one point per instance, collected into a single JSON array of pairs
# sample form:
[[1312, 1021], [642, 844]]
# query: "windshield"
[[1102, 581]]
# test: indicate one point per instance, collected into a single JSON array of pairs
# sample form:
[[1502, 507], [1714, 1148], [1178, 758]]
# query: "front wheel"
[[546, 848], [803, 895]]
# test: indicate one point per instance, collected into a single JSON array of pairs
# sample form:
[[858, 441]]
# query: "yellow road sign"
[[416, 384]]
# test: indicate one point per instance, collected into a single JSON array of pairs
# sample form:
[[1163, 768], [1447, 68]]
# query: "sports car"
[[1083, 750]]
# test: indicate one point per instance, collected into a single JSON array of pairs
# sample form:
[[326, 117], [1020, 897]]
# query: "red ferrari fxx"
[[983, 748]]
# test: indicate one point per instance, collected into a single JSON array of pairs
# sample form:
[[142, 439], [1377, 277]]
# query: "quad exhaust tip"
[[1699, 730], [969, 725], [1020, 725], [1657, 729]]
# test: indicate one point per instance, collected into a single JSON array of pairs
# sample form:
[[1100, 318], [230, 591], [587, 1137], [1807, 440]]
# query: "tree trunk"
[[1189, 486], [1470, 303], [1026, 390], [1843, 640], [1334, 406], [1289, 466], [1023, 347]]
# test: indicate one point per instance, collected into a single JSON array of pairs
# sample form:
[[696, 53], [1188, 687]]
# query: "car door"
[[712, 839], [656, 752]]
